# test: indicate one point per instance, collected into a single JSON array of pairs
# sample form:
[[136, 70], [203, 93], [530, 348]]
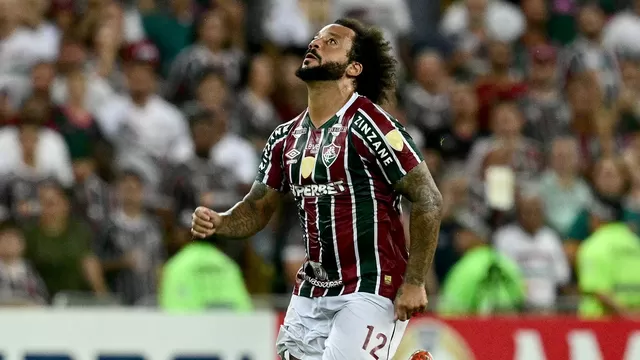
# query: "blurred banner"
[[148, 335], [522, 338], [134, 335], [539, 338]]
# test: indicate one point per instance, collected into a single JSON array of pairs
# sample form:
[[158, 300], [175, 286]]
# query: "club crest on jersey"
[[330, 154]]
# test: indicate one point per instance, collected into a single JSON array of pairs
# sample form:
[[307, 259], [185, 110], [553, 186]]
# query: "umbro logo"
[[292, 154]]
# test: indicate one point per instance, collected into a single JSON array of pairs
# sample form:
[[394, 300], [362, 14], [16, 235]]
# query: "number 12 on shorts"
[[382, 341]]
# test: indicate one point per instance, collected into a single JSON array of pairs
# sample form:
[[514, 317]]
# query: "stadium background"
[[118, 117]]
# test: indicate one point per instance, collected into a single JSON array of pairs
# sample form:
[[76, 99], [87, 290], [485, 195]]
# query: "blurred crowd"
[[119, 117]]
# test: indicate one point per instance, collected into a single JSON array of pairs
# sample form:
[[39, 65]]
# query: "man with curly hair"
[[347, 163]]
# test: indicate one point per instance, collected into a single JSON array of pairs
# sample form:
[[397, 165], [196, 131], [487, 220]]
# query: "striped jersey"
[[341, 176]]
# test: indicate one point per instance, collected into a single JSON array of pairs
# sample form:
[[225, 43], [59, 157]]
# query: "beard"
[[329, 71]]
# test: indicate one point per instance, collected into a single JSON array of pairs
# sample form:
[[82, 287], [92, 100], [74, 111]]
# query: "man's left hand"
[[411, 299]]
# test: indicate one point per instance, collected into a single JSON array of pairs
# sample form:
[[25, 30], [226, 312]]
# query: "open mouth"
[[310, 56]]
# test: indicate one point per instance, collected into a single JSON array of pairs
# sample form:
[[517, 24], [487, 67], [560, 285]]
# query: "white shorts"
[[356, 326]]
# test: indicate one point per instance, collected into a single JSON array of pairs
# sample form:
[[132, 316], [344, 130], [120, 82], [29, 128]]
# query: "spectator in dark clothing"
[[211, 49], [131, 247]]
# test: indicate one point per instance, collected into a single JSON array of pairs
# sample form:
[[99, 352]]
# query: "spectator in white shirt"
[[143, 122], [31, 148], [620, 34], [537, 250]]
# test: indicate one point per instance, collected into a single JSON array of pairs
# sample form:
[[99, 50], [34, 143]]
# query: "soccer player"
[[347, 163]]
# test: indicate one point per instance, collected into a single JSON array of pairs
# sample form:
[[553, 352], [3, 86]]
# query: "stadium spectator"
[[607, 265], [20, 283], [171, 30], [427, 100], [143, 121], [200, 278], [508, 146], [60, 245], [131, 247], [453, 143], [587, 53], [212, 49], [31, 151], [544, 107], [255, 110], [537, 250], [482, 281], [564, 193]]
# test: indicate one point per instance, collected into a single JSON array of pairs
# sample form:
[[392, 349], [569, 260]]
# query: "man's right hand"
[[204, 222]]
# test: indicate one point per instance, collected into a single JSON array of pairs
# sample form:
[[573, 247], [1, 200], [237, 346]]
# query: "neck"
[[531, 230], [53, 225], [593, 38], [29, 158], [139, 99], [565, 178], [10, 260], [131, 210], [258, 92], [6, 30], [325, 98], [214, 48], [500, 73]]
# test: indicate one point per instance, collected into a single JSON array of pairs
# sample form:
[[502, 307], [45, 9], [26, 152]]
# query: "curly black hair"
[[377, 81]]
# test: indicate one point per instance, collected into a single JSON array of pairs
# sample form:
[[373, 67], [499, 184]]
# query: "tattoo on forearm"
[[426, 211], [251, 214]]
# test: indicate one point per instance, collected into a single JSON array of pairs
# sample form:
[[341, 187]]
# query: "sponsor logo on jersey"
[[335, 130], [316, 190], [313, 148], [395, 139], [330, 154], [308, 163], [292, 154], [299, 132], [375, 142]]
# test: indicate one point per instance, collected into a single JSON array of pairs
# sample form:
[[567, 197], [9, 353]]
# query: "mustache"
[[314, 53]]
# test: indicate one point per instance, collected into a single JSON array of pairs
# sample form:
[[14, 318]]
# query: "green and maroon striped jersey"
[[341, 176]]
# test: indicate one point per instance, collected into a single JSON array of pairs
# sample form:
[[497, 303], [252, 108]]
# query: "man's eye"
[[332, 42]]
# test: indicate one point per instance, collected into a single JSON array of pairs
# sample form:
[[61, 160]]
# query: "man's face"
[[591, 21], [53, 202], [131, 190], [327, 58], [531, 213], [11, 244], [543, 72], [140, 78], [202, 133]]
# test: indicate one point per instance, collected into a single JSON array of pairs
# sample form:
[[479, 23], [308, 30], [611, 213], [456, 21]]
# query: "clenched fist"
[[411, 299], [204, 222]]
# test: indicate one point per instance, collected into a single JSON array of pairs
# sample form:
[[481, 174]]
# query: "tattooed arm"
[[424, 225], [243, 220]]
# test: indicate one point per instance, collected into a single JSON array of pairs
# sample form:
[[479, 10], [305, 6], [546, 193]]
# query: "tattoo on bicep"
[[418, 186]]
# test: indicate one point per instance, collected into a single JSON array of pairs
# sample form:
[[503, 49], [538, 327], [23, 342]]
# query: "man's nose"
[[315, 44]]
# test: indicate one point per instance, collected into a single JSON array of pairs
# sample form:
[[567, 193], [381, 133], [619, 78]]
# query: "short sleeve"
[[593, 270], [271, 169], [386, 141]]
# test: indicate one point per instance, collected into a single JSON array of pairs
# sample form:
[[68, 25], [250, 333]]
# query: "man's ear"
[[354, 69]]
